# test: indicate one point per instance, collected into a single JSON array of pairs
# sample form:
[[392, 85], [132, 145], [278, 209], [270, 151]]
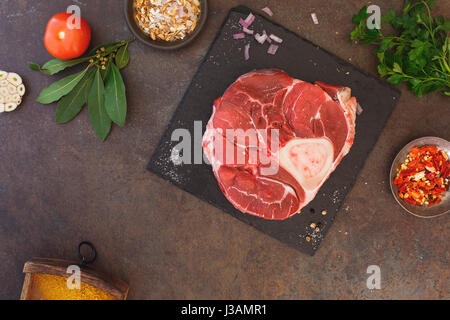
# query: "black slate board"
[[222, 65]]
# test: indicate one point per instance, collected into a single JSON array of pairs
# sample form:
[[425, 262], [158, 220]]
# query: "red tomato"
[[65, 43]]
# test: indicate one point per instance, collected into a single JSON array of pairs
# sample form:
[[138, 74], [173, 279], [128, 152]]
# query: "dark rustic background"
[[59, 185]]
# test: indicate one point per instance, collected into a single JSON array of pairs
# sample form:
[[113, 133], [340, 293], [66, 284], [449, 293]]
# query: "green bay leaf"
[[122, 57], [96, 106], [34, 66], [60, 88], [70, 105], [115, 97], [56, 65]]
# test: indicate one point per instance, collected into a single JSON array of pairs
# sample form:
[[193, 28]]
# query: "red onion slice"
[[261, 38], [248, 31], [268, 11], [238, 36], [249, 20], [273, 49], [243, 23], [359, 110], [275, 38], [247, 52]]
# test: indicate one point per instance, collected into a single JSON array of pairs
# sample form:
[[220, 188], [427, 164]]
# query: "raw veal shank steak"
[[315, 129]]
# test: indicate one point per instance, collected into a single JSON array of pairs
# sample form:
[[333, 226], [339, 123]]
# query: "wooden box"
[[45, 279]]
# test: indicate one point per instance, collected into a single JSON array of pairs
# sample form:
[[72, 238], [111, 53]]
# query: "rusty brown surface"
[[59, 185]]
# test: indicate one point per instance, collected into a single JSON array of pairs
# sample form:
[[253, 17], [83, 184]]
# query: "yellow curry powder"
[[51, 287]]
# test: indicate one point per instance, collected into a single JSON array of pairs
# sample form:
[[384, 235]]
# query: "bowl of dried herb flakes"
[[166, 24]]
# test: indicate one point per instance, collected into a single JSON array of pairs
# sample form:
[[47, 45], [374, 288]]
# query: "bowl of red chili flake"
[[420, 177]]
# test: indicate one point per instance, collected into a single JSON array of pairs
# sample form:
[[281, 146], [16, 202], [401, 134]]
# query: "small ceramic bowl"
[[420, 211], [160, 44]]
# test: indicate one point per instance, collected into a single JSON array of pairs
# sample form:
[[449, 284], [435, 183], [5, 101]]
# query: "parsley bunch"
[[418, 54]]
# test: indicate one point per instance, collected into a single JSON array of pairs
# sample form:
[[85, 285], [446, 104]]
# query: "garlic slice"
[[12, 89], [14, 78], [21, 89], [2, 108], [11, 106], [16, 98]]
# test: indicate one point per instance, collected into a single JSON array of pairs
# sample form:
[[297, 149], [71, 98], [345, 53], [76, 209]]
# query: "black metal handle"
[[84, 260]]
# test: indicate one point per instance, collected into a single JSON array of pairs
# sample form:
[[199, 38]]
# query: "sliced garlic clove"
[[4, 91], [3, 75], [4, 83], [16, 98], [2, 108], [15, 79], [21, 89], [2, 99], [11, 106], [12, 89]]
